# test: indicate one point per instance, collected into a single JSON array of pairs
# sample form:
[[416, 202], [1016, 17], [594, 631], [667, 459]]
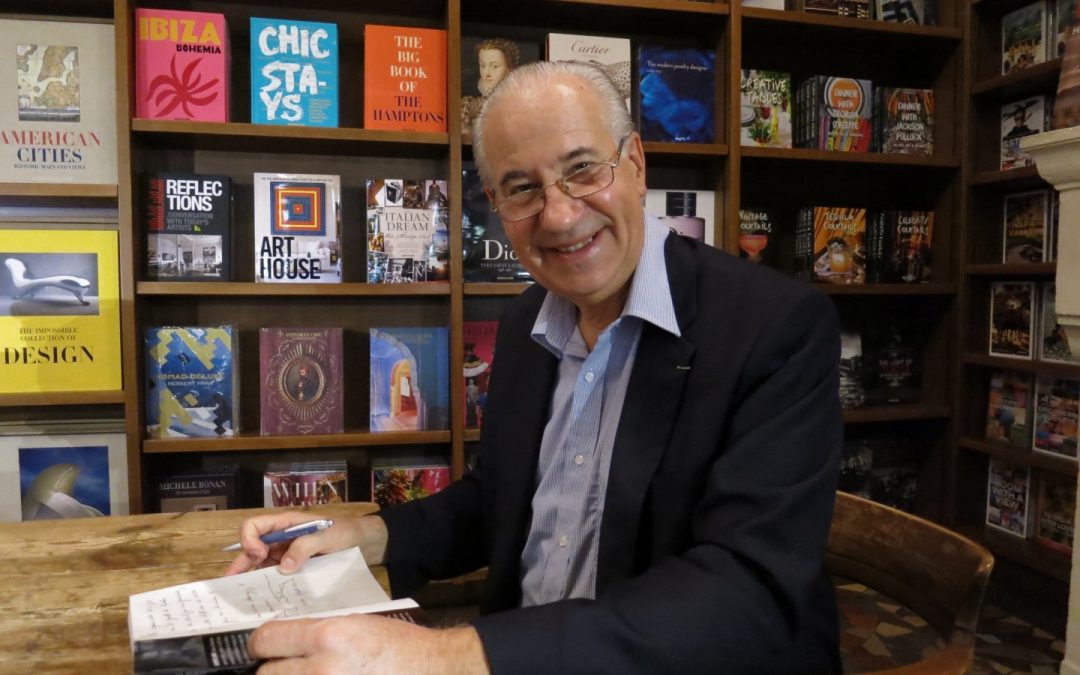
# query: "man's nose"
[[561, 211]]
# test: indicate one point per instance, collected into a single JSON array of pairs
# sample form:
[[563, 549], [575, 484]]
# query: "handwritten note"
[[325, 586]]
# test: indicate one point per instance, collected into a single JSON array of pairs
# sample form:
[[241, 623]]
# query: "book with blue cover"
[[191, 386], [294, 73], [676, 94], [410, 379]]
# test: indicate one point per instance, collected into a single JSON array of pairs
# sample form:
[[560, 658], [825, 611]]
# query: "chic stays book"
[[181, 65], [294, 73], [297, 228], [203, 626], [404, 78], [58, 118], [300, 381], [188, 222]]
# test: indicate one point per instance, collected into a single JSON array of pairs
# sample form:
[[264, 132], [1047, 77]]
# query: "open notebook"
[[202, 627]]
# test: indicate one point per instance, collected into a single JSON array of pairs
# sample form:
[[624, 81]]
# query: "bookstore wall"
[[248, 261]]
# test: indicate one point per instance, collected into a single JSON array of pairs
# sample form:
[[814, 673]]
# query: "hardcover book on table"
[[1008, 498], [765, 109], [485, 61], [685, 212], [297, 228], [59, 311], [1019, 119], [676, 94], [1024, 37], [300, 376], [1053, 342], [181, 65], [1008, 408], [408, 237], [488, 255], [308, 483], [410, 379], [294, 73], [904, 120], [1027, 220], [398, 483], [1055, 513], [839, 255], [208, 490], [191, 388], [57, 470], [188, 222], [59, 115], [1057, 413], [608, 54], [758, 229], [404, 78], [1012, 319], [479, 344]]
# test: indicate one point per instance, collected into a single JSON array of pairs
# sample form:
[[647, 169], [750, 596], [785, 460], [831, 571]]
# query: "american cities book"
[[294, 73], [300, 381], [181, 65], [297, 228], [58, 119], [59, 311], [404, 78]]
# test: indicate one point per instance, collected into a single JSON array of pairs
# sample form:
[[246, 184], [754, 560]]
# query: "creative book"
[[204, 626], [188, 222], [59, 124], [59, 311], [1019, 119], [904, 120], [1057, 412], [399, 483], [297, 228], [300, 381], [1026, 224], [306, 483], [610, 55], [685, 212], [479, 344], [1008, 498], [404, 78], [488, 255], [181, 65], [676, 94], [758, 230], [1008, 408], [765, 109], [408, 236], [294, 73], [209, 490], [1012, 319], [409, 386], [191, 387]]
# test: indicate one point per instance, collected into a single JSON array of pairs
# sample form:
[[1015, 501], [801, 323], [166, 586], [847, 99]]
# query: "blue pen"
[[288, 533]]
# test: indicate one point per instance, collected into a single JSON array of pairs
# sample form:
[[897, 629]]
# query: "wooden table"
[[64, 584]]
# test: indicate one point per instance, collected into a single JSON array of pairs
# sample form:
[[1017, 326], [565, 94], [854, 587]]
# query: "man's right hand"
[[367, 532]]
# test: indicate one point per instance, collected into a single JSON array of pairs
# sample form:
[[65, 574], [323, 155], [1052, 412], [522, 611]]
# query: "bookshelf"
[[980, 251]]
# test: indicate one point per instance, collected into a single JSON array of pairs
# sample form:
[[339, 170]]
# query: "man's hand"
[[367, 532], [365, 643]]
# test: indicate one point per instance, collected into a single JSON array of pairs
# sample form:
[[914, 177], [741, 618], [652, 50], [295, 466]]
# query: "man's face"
[[584, 250]]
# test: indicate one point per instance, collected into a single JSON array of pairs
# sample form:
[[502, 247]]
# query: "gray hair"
[[615, 116]]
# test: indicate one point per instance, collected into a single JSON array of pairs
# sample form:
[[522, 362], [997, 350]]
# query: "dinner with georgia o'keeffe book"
[[59, 311]]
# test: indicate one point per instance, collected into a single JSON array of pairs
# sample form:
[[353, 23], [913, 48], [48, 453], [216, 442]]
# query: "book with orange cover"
[[181, 65], [404, 78]]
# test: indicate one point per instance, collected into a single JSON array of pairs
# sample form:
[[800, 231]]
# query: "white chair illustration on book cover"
[[27, 288]]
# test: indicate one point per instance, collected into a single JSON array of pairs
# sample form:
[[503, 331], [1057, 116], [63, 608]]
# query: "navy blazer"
[[719, 498]]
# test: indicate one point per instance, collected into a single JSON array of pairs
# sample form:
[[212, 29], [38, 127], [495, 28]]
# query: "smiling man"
[[660, 444]]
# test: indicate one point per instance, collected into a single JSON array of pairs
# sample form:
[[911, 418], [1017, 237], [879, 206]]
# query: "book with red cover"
[[399, 483], [404, 78], [300, 373], [181, 65], [479, 343]]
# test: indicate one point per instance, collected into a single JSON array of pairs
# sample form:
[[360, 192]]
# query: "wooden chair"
[[934, 572]]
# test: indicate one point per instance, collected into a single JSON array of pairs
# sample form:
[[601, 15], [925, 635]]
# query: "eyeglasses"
[[586, 181]]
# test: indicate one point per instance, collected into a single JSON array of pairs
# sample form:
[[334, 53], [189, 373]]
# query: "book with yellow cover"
[[59, 311], [404, 78]]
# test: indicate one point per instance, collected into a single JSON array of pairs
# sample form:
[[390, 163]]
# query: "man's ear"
[[490, 196], [636, 154]]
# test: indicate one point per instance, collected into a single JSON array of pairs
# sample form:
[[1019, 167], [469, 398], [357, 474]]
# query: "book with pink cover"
[[181, 65]]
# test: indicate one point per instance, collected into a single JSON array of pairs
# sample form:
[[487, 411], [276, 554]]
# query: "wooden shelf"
[[52, 190], [255, 442], [1012, 269], [823, 23], [680, 6], [1024, 365], [895, 413], [473, 288], [1024, 551], [632, 16], [1040, 78], [1023, 178], [471, 435], [654, 149], [872, 158], [1063, 466], [887, 289], [240, 288], [61, 398]]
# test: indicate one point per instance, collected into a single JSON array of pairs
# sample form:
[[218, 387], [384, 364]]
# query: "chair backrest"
[[935, 572], [18, 269]]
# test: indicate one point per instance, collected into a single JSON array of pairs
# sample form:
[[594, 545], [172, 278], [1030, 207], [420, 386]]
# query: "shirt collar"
[[649, 298]]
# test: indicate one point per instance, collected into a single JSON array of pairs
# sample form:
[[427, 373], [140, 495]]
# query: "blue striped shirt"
[[560, 555]]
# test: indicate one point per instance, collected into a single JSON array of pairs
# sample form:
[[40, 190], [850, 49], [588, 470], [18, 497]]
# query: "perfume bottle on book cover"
[[685, 212]]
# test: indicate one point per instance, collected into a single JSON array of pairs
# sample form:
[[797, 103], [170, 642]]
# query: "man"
[[660, 444]]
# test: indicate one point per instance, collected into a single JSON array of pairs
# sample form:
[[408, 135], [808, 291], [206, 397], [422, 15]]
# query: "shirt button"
[[589, 376], [563, 541], [579, 460]]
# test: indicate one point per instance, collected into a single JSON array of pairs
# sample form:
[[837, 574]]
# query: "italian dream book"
[[191, 388], [181, 65], [188, 219], [410, 379], [676, 94], [297, 228], [300, 373], [294, 73], [408, 237], [404, 78]]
